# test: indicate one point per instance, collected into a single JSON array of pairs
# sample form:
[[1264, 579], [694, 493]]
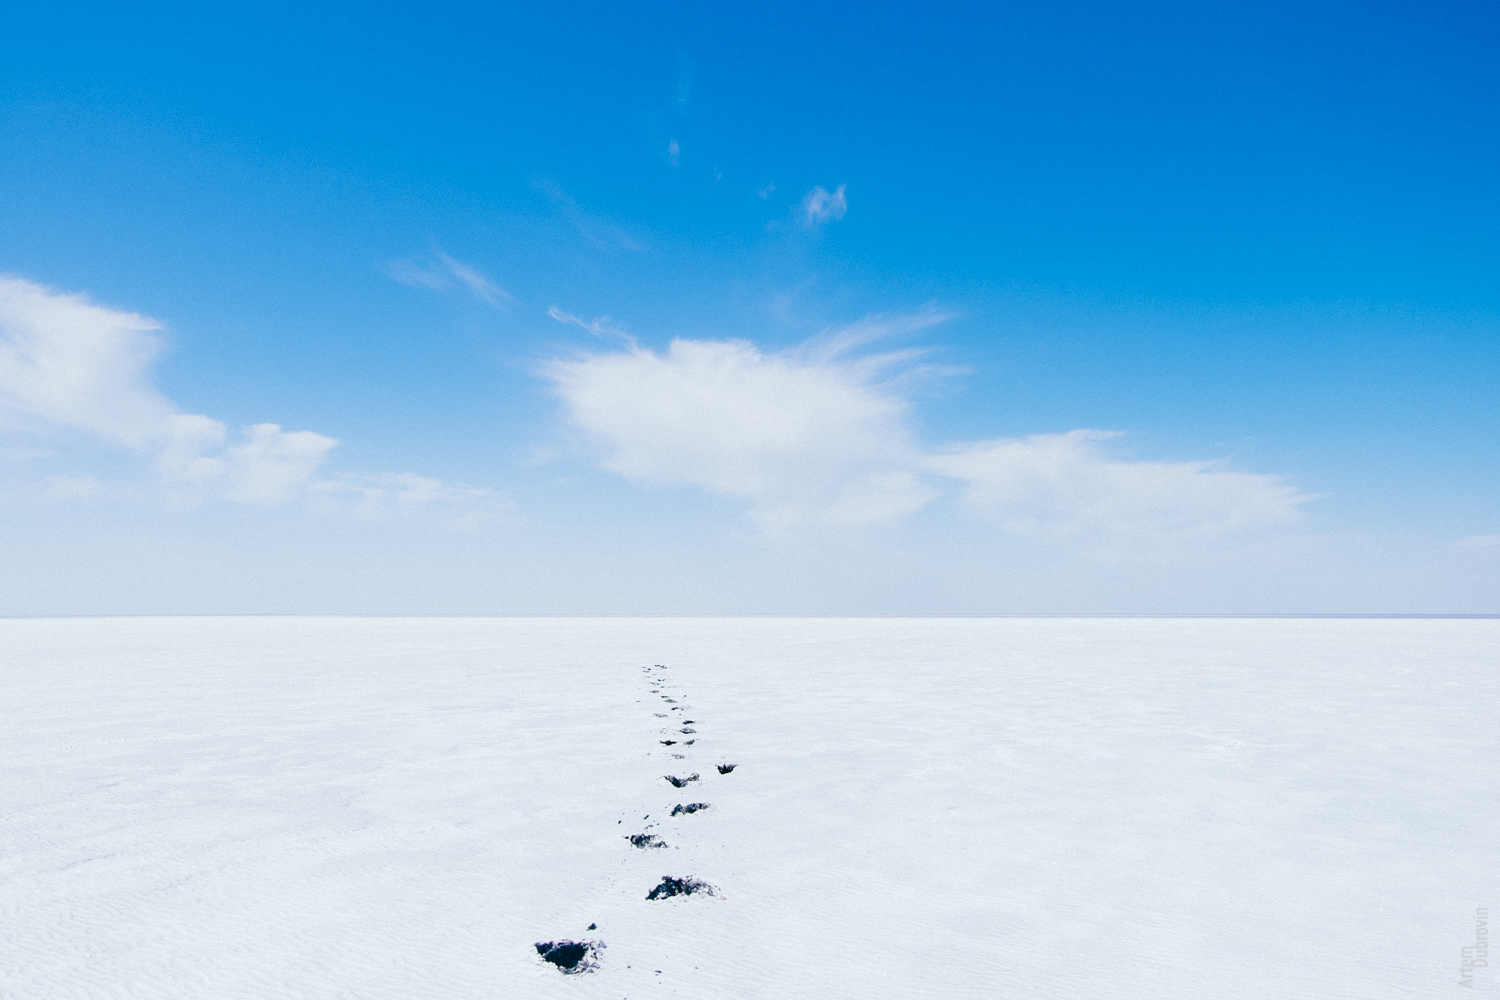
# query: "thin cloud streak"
[[601, 232], [404, 495], [446, 273], [599, 326]]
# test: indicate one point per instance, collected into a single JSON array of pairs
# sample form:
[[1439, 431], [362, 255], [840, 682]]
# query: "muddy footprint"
[[646, 840], [726, 768], [680, 782], [680, 887], [688, 809], [572, 957]]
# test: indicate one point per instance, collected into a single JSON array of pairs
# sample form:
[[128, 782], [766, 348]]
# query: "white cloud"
[[673, 152], [67, 362], [1064, 487], [765, 192], [64, 360], [819, 435], [818, 206], [445, 273], [806, 439], [268, 466]]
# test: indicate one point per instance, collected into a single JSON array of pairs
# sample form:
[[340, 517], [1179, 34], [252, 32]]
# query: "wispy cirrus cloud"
[[599, 326], [819, 206], [403, 495], [444, 273], [599, 231], [67, 363], [819, 434]]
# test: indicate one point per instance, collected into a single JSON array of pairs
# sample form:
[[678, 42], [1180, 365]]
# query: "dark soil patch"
[[571, 957], [688, 809], [726, 768], [680, 887], [679, 782], [645, 840]]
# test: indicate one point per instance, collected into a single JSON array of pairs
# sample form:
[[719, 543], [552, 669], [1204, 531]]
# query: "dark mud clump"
[[680, 887], [668, 743], [689, 809], [679, 782], [571, 957], [646, 840], [726, 768], [687, 731]]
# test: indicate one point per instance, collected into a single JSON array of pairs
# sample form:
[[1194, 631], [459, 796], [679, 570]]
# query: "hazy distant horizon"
[[894, 616]]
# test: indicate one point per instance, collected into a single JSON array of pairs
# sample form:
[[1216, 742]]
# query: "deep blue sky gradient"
[[1267, 234]]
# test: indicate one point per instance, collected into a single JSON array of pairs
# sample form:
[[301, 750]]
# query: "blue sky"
[[663, 308]]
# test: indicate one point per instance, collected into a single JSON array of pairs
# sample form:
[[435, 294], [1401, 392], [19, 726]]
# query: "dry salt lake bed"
[[992, 808]]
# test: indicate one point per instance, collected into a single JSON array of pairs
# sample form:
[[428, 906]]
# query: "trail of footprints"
[[572, 957]]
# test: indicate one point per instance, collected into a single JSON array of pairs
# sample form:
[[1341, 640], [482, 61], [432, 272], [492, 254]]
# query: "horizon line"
[[776, 614]]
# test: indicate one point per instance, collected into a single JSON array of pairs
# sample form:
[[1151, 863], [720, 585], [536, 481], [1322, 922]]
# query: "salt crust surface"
[[398, 808]]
